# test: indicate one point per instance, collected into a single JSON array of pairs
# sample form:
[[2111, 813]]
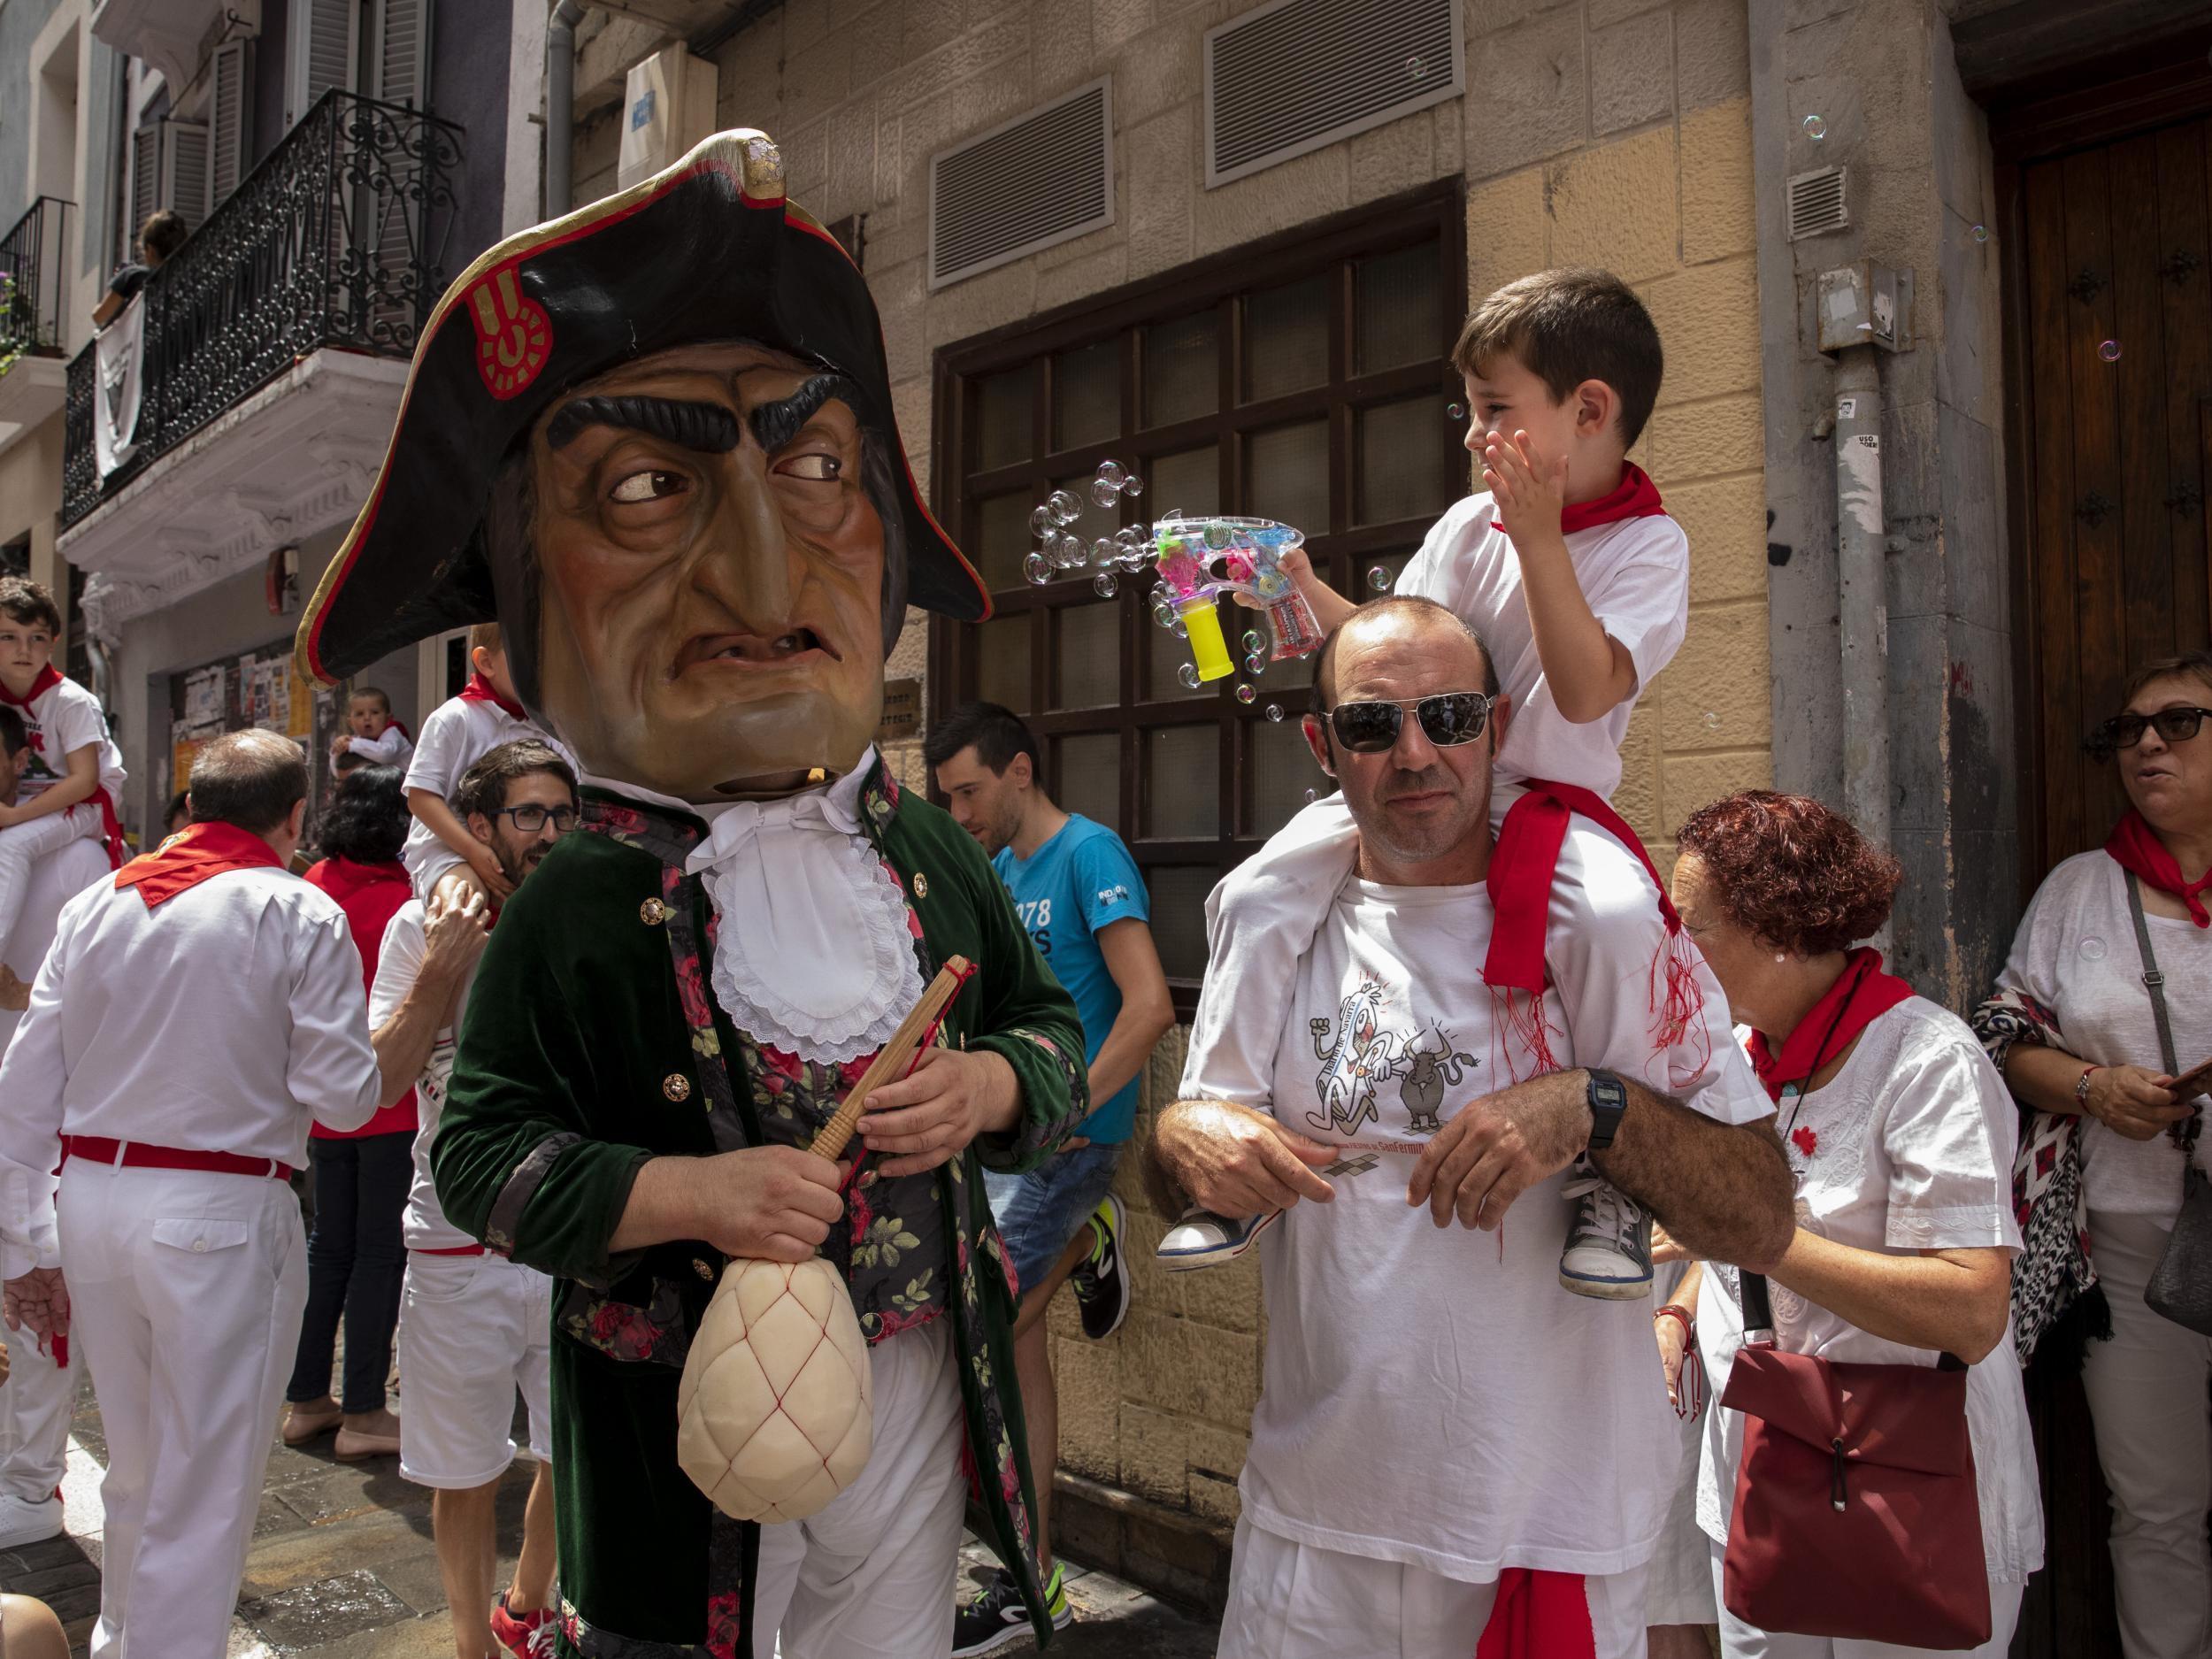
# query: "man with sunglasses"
[[473, 1327], [1442, 1429]]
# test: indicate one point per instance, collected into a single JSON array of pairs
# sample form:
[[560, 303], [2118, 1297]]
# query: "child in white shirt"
[[1578, 583], [71, 775], [460, 732], [370, 732]]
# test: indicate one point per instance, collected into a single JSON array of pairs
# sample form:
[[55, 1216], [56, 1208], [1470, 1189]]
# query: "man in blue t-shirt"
[[1079, 894]]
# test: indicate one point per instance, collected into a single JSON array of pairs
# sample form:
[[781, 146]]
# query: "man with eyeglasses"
[[474, 1326], [1444, 1432]]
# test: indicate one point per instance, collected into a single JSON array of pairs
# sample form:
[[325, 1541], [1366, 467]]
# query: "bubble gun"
[[1250, 551]]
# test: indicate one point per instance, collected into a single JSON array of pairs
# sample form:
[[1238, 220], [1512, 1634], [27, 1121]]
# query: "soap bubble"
[[1816, 128], [1131, 486], [1378, 578], [1712, 720], [1252, 640], [2110, 351], [1104, 494], [1041, 523], [1104, 584], [1417, 68], [1188, 675], [1111, 472], [1067, 550], [1980, 233], [1104, 552], [1455, 412], [1255, 663], [1309, 797], [1275, 714], [1065, 508], [1245, 694], [1037, 568]]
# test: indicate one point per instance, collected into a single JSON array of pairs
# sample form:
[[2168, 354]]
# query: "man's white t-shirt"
[[1912, 1144], [2076, 954], [60, 720], [1433, 1397], [398, 965], [1634, 572]]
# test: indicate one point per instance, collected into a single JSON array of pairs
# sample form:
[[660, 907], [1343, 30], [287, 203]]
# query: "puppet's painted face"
[[712, 574]]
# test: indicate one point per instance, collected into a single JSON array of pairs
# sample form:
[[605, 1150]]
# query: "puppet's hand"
[[928, 1116], [775, 1203]]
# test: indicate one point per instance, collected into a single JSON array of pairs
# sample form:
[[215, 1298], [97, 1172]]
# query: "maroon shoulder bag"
[[1855, 1512]]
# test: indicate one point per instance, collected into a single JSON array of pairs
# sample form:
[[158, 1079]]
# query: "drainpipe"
[[1860, 542], [560, 103]]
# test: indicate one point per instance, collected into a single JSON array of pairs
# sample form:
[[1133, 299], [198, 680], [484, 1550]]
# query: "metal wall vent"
[[1042, 177], [1296, 75], [1816, 203]]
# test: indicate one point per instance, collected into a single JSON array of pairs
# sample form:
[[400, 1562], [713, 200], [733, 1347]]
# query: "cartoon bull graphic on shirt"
[[1427, 1071]]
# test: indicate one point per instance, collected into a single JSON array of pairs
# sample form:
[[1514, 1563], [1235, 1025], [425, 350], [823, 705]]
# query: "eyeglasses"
[[2126, 731], [532, 821], [1448, 719]]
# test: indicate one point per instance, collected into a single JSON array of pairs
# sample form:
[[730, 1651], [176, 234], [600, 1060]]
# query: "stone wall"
[[1609, 131]]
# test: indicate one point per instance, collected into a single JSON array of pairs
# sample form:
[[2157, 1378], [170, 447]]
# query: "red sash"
[[1862, 994], [1539, 1616], [190, 856], [2135, 848], [1523, 865], [1635, 496], [481, 690]]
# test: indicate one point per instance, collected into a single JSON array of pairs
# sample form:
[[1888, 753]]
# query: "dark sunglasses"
[[1448, 719], [2126, 731], [531, 820]]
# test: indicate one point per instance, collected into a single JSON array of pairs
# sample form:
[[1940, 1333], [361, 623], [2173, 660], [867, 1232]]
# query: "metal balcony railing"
[[337, 239], [31, 283]]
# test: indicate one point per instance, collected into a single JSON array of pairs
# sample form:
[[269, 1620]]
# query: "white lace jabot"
[[814, 955]]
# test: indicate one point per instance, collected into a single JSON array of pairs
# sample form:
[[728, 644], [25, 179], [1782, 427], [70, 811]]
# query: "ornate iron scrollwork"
[[2180, 266], [2086, 285], [2094, 508], [2183, 499]]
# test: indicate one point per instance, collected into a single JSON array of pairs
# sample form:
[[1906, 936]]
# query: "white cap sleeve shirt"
[[398, 965], [1912, 1145], [1432, 1397]]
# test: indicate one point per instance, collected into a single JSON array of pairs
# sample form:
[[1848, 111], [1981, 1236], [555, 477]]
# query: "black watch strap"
[[1608, 1103]]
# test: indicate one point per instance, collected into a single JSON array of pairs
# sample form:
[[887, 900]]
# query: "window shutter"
[[323, 48], [184, 171], [402, 52], [229, 141], [145, 183]]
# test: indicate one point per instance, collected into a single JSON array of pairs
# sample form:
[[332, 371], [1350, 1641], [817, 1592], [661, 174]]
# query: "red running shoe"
[[527, 1635]]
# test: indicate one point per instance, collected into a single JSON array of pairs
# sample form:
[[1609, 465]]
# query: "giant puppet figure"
[[655, 440]]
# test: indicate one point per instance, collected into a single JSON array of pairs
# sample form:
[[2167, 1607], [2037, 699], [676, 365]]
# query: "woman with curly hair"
[[2074, 1027], [356, 1259], [1900, 1137]]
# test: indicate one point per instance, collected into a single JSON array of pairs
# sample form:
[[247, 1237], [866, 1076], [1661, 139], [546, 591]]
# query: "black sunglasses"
[[2126, 731], [1448, 719], [531, 820]]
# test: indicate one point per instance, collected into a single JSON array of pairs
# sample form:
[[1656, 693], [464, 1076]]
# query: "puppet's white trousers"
[[870, 1575], [185, 1291]]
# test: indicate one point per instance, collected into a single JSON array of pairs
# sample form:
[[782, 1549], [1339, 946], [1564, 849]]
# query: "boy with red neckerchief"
[[1576, 581], [71, 776], [460, 732]]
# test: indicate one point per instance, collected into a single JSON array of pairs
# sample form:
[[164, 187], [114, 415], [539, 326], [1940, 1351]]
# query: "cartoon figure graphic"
[[1361, 1057], [1427, 1071]]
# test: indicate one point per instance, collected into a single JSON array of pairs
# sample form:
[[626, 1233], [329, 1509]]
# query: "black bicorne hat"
[[709, 249]]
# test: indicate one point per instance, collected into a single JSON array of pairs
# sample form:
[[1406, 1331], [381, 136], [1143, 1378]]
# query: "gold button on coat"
[[921, 885], [676, 1085], [652, 913], [700, 1268]]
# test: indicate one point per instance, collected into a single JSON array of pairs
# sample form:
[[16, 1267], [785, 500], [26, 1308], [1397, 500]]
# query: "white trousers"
[[871, 1574], [185, 1291], [23, 845], [1291, 1601], [36, 1404], [2146, 1397], [1740, 1640]]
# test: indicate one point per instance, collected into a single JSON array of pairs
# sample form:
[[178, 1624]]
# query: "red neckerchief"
[[190, 856], [2136, 848], [1522, 867], [481, 690], [1635, 496], [49, 676], [1539, 1616], [1863, 993]]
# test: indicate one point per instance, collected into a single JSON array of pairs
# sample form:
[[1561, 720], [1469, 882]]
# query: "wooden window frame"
[[1340, 550]]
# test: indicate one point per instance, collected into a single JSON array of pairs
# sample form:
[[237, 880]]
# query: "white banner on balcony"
[[118, 352]]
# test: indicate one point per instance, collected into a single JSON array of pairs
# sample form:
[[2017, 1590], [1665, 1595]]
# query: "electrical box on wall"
[[667, 107], [1864, 304]]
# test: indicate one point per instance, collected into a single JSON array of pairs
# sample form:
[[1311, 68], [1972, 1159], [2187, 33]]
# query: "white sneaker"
[[1201, 1239], [28, 1520], [1608, 1244]]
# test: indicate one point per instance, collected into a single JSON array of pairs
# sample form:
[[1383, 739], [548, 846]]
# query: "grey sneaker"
[[1608, 1244]]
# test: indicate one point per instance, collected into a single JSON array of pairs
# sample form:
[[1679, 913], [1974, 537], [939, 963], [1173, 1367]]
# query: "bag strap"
[[2154, 983], [1758, 1315]]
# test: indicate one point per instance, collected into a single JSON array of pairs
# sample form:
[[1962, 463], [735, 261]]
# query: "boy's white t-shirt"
[[1635, 574], [60, 720], [1430, 1398], [460, 732], [1912, 1147]]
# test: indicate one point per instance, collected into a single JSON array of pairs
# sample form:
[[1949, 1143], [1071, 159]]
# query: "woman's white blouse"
[[1908, 1148]]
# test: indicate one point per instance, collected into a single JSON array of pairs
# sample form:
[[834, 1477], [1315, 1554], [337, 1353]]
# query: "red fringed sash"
[[2135, 848], [1862, 994]]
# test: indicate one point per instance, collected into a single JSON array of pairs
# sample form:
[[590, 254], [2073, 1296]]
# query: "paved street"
[[342, 1567]]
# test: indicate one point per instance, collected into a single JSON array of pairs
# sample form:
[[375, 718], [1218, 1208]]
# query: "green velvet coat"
[[592, 1042]]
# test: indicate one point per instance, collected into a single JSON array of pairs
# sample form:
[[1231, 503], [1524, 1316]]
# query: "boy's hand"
[[10, 817], [1294, 564], [15, 995], [1530, 492], [489, 876]]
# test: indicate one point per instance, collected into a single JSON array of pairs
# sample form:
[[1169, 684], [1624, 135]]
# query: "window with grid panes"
[[1305, 381]]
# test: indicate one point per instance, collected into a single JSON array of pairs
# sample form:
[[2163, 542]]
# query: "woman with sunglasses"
[[2099, 1180]]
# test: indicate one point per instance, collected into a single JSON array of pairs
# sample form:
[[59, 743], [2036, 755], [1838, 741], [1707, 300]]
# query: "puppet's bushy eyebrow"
[[710, 428], [775, 425]]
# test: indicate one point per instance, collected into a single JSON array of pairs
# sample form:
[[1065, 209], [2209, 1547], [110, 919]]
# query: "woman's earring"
[[1781, 956]]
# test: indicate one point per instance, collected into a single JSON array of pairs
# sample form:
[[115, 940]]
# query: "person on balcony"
[[158, 240]]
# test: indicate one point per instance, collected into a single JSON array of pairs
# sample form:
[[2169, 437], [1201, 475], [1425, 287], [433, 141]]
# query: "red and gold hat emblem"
[[513, 336]]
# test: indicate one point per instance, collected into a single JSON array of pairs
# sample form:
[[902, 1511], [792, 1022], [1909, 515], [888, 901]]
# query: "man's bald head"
[[251, 780], [1399, 611]]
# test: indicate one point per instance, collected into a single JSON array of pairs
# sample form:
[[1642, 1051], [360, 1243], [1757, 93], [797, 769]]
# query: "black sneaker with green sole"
[[1102, 1283], [997, 1619]]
